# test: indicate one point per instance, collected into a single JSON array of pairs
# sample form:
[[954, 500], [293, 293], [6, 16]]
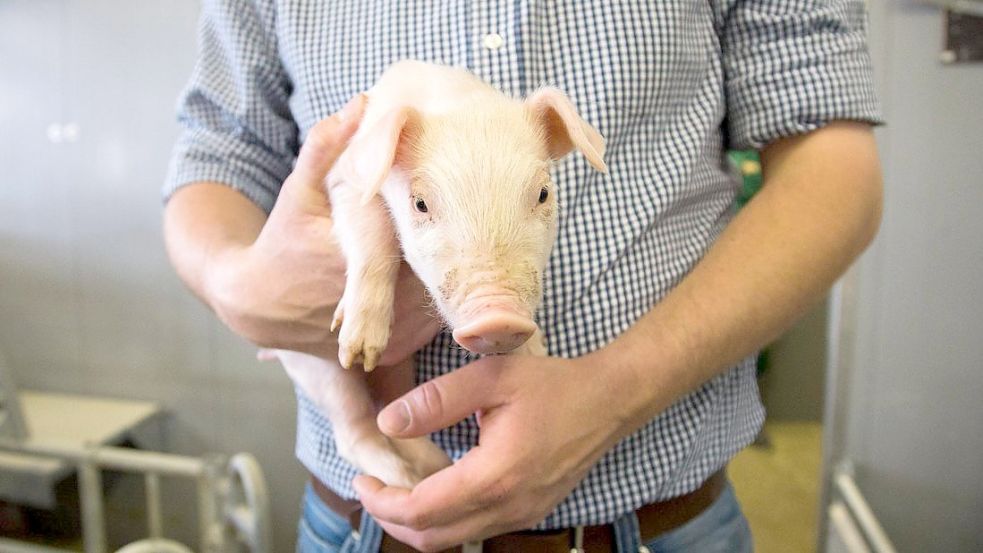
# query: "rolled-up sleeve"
[[237, 128], [791, 66]]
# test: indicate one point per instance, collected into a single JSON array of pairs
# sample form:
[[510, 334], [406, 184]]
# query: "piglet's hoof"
[[364, 334]]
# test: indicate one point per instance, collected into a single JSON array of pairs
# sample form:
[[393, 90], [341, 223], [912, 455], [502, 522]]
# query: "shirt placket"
[[496, 35]]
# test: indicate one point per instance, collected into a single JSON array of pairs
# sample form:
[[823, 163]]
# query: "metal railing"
[[232, 500], [852, 525]]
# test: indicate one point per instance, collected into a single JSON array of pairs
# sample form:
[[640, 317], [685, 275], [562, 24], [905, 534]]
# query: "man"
[[656, 297]]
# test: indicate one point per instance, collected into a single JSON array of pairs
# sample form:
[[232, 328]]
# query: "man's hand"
[[544, 423], [280, 290], [276, 282]]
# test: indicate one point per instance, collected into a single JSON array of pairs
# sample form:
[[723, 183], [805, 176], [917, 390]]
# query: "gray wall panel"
[[88, 300], [915, 431], [36, 292]]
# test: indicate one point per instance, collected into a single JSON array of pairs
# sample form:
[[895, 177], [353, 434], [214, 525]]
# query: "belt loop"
[[627, 537], [577, 540], [366, 538]]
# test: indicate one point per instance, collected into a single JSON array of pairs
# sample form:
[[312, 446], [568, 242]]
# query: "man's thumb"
[[326, 141], [437, 404]]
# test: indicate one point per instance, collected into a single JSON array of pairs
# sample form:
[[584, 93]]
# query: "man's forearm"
[[203, 221], [819, 208]]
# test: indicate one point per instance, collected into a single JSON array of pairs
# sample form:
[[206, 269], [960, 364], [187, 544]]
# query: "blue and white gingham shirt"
[[668, 83]]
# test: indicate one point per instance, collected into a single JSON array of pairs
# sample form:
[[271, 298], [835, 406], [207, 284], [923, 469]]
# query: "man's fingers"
[[325, 142], [441, 402], [443, 510], [442, 498], [371, 489], [439, 539]]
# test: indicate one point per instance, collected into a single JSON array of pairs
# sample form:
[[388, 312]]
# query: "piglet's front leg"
[[372, 254]]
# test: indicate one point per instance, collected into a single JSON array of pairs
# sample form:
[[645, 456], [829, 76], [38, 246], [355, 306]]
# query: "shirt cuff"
[[800, 95], [250, 170]]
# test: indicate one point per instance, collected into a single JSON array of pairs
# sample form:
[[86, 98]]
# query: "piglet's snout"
[[495, 330]]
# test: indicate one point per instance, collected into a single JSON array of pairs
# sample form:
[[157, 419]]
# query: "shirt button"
[[493, 41]]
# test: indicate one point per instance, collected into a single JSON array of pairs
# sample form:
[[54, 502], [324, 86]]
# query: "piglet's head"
[[470, 192]]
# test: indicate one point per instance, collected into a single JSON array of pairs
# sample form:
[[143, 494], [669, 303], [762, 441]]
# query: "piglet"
[[453, 176]]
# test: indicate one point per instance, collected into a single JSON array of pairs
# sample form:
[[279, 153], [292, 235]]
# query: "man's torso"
[[648, 76]]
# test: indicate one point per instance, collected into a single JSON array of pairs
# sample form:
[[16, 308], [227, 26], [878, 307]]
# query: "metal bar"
[[843, 308], [845, 530], [90, 498], [247, 502], [132, 460], [155, 522], [14, 546], [116, 458], [861, 511], [11, 416], [208, 514]]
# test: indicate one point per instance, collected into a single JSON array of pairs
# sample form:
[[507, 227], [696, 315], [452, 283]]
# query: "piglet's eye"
[[543, 194], [420, 205]]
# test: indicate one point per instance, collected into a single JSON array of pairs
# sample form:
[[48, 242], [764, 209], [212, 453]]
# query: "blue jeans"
[[722, 528]]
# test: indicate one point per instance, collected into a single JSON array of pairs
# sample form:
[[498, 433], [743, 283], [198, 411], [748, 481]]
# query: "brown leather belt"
[[653, 520]]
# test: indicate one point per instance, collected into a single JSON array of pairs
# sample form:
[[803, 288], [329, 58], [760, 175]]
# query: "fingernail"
[[350, 108], [395, 418]]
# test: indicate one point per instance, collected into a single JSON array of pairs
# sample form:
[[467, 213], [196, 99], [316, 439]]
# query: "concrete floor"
[[778, 487]]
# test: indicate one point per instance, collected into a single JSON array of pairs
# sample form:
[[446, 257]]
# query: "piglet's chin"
[[495, 330]]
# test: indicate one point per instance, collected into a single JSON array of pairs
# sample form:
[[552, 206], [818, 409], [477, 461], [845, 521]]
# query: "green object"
[[748, 165], [762, 361]]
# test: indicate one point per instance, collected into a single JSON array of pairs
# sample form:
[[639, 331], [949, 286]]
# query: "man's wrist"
[[223, 279], [627, 378], [202, 221], [647, 368]]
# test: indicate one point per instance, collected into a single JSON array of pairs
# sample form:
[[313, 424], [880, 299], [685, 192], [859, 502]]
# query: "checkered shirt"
[[670, 84]]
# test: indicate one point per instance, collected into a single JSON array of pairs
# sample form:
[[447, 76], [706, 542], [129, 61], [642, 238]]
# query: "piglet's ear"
[[372, 152], [564, 128]]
